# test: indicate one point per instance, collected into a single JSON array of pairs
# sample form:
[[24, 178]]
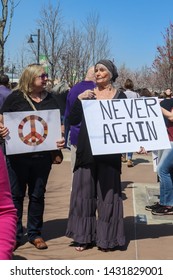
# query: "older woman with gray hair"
[[96, 182]]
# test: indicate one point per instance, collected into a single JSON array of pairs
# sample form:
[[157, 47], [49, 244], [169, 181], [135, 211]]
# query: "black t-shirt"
[[16, 102], [167, 104]]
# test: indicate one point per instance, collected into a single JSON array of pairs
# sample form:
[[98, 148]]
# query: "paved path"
[[147, 237]]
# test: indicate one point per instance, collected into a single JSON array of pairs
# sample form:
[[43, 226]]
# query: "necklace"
[[38, 97], [105, 93]]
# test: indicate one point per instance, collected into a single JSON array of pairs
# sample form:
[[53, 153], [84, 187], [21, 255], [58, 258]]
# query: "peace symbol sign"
[[33, 138]]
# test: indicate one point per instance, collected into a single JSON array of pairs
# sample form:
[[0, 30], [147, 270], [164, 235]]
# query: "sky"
[[135, 27]]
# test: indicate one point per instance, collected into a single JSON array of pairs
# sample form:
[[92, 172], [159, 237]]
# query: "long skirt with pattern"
[[96, 208]]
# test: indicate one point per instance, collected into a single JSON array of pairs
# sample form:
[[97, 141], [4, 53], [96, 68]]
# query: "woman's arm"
[[8, 214], [167, 114]]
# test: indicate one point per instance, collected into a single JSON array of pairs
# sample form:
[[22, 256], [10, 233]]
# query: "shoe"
[[39, 243], [153, 207], [130, 163], [162, 211]]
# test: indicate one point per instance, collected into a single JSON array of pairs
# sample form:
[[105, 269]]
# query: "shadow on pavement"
[[145, 231], [140, 160], [18, 257], [54, 229]]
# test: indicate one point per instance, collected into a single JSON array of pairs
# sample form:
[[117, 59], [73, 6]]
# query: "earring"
[[110, 87]]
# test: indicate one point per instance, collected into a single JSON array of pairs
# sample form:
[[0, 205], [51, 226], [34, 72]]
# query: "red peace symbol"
[[33, 138]]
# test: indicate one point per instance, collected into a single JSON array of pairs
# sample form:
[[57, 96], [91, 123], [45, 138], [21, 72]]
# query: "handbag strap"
[[29, 101]]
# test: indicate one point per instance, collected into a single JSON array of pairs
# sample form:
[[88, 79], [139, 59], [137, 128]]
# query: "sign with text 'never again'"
[[124, 125]]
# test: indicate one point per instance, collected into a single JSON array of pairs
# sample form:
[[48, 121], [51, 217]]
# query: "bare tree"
[[76, 58], [163, 63], [85, 46], [70, 52], [22, 59], [158, 77], [96, 40], [52, 36], [7, 7], [123, 74], [3, 22]]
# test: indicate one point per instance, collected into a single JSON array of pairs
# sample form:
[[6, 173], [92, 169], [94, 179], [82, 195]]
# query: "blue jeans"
[[165, 173], [27, 172], [129, 155]]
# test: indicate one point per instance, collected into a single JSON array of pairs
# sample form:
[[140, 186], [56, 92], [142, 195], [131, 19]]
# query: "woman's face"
[[102, 74], [168, 92], [40, 81]]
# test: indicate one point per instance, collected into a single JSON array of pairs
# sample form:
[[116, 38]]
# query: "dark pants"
[[29, 172]]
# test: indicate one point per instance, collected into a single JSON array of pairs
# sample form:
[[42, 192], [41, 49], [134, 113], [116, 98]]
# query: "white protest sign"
[[32, 131], [123, 125]]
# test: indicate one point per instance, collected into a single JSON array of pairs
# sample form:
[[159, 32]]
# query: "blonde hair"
[[26, 81]]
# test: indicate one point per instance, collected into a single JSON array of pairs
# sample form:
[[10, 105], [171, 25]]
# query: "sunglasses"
[[43, 76]]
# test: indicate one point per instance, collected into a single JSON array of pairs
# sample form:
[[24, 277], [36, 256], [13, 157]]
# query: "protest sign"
[[124, 125], [32, 131]]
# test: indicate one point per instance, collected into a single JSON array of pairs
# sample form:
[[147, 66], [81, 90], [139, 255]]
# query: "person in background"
[[8, 214], [96, 182], [71, 132], [4, 88], [60, 92], [13, 85], [29, 169], [167, 93], [144, 92], [165, 166], [130, 93]]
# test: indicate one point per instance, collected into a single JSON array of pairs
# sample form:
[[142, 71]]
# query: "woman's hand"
[[3, 131], [142, 151], [87, 94], [61, 143]]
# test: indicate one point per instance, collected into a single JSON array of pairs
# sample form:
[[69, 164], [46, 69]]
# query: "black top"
[[84, 154], [61, 99], [16, 102], [167, 104]]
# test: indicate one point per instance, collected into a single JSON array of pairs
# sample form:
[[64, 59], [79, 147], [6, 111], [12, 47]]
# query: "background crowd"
[[96, 181]]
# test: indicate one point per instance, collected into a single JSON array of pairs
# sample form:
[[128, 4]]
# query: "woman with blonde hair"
[[29, 169]]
